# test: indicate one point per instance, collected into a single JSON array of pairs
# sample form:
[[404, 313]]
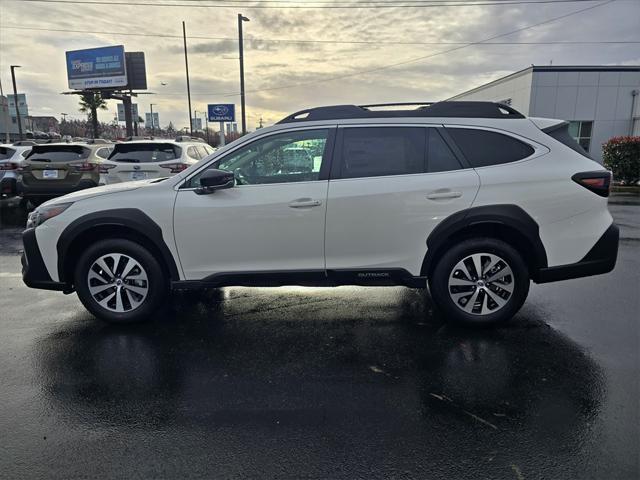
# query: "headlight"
[[42, 214]]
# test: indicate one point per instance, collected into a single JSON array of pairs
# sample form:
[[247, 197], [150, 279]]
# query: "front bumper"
[[34, 271], [600, 259]]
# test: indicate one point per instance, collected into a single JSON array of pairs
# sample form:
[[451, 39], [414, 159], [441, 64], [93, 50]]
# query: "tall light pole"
[[15, 99], [241, 19], [152, 120], [186, 65]]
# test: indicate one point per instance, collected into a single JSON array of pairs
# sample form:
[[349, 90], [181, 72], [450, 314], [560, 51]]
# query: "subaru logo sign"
[[225, 112]]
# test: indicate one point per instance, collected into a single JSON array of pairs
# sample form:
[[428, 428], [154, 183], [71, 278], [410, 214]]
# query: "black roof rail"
[[456, 109]]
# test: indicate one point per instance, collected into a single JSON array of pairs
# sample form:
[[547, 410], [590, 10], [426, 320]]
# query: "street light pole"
[[152, 120], [15, 99], [186, 65], [241, 19]]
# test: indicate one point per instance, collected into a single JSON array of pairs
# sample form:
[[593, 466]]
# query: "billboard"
[[136, 71], [147, 120], [134, 112], [22, 105], [224, 112], [103, 67], [196, 124]]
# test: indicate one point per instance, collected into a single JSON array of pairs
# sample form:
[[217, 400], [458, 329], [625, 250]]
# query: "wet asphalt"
[[323, 383]]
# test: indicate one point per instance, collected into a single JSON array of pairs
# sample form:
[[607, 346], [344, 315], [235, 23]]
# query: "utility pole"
[[152, 120], [15, 99], [241, 19], [186, 65]]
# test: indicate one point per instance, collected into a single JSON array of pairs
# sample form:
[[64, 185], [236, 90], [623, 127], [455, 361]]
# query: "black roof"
[[455, 109]]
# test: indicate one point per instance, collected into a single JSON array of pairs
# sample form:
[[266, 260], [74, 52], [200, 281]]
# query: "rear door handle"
[[305, 203], [443, 195]]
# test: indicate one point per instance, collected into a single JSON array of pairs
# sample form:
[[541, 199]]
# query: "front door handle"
[[305, 203], [444, 195]]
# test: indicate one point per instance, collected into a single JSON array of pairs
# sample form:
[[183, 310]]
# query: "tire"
[[454, 282], [131, 293]]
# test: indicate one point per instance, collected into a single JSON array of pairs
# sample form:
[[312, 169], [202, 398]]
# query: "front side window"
[[381, 151], [581, 133], [483, 148], [281, 158]]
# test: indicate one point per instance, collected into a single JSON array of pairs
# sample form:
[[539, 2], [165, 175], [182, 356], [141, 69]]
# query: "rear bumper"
[[34, 272], [600, 259], [8, 185], [45, 190]]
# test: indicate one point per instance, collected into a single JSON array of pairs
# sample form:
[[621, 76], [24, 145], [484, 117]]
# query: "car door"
[[390, 186], [271, 221]]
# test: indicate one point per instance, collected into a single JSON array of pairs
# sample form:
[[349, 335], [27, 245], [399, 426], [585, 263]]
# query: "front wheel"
[[120, 281], [480, 281]]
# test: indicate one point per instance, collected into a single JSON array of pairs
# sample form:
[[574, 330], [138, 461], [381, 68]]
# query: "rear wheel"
[[480, 281], [120, 281]]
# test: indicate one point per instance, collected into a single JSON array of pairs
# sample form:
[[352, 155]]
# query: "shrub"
[[622, 156]]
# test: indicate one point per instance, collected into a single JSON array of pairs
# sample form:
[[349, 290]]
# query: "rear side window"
[[378, 151], [561, 133], [440, 158], [144, 152], [6, 153], [58, 153], [482, 148]]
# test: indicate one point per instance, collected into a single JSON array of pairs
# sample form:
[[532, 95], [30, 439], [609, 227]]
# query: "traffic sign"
[[225, 112]]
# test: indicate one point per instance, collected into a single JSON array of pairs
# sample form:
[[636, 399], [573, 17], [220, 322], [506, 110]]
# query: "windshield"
[[6, 153], [58, 153], [145, 152]]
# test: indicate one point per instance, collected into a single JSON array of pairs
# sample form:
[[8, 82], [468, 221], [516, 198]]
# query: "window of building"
[[380, 151], [482, 148], [580, 131]]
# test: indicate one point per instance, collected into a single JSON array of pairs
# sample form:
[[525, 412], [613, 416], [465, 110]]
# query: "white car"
[[11, 159], [470, 198], [147, 159]]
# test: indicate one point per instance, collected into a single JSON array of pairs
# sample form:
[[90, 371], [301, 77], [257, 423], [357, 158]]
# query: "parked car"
[[55, 169], [147, 159], [11, 159], [470, 198]]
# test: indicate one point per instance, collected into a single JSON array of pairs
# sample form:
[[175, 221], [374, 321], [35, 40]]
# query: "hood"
[[97, 191]]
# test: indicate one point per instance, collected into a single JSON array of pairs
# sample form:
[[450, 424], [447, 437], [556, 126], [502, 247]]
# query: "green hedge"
[[621, 155]]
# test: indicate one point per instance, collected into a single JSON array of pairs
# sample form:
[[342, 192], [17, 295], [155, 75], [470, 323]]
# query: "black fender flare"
[[130, 218], [511, 216]]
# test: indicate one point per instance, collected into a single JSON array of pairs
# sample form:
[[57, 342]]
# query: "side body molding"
[[129, 218], [493, 218]]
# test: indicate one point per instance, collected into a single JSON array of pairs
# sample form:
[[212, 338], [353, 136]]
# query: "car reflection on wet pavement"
[[322, 383]]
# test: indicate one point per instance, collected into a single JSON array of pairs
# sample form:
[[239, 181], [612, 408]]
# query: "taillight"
[[176, 167], [105, 167], [8, 166], [83, 166], [598, 182]]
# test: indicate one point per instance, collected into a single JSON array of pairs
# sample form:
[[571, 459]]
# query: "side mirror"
[[214, 179]]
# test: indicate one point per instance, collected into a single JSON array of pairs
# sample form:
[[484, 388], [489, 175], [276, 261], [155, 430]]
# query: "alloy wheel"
[[118, 282]]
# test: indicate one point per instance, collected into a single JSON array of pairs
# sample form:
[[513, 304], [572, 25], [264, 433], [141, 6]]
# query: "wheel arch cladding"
[[506, 222], [128, 223]]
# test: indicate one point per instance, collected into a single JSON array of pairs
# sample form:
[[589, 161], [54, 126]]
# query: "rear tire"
[[120, 281], [488, 297]]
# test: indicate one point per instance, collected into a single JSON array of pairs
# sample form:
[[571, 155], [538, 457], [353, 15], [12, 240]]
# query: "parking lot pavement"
[[323, 383]]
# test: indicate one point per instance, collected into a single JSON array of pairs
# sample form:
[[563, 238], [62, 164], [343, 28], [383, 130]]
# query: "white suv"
[[146, 159], [471, 198]]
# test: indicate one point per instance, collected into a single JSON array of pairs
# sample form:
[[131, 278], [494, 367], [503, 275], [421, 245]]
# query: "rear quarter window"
[[483, 148]]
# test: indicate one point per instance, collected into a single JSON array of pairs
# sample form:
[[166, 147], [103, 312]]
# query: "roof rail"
[[456, 109]]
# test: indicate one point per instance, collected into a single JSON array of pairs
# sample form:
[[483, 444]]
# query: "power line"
[[342, 6], [329, 42], [416, 59]]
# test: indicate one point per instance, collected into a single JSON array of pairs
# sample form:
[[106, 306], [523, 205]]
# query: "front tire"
[[480, 281], [120, 281]]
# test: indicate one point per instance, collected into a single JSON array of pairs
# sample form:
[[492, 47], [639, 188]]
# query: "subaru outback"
[[471, 199]]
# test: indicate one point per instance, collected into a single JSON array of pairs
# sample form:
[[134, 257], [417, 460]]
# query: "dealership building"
[[600, 102]]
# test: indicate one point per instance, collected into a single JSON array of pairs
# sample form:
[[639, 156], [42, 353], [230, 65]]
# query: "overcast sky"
[[282, 77]]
